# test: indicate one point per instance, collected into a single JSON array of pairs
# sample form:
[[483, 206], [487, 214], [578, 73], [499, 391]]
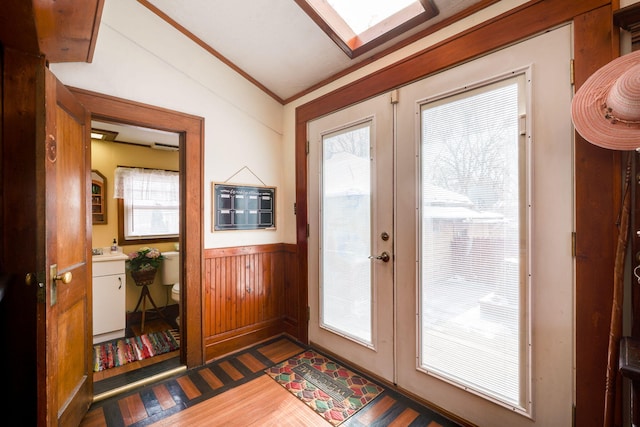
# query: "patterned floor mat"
[[333, 391]]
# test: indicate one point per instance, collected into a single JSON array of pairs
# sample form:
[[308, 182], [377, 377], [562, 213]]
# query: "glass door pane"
[[473, 244], [346, 293]]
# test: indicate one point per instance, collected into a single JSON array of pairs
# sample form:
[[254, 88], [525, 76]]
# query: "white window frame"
[[525, 404], [127, 183]]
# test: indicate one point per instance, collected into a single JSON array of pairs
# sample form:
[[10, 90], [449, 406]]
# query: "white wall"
[[141, 58]]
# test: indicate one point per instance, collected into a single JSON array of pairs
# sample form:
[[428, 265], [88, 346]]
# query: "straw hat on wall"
[[606, 108]]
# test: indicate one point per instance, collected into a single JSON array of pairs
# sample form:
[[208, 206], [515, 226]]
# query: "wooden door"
[[63, 171]]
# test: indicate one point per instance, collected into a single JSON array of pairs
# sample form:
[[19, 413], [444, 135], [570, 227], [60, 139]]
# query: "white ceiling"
[[275, 41]]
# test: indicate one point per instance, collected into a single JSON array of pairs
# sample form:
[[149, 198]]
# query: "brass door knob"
[[64, 277], [31, 279]]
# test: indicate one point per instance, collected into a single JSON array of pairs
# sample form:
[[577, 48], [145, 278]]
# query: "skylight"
[[358, 26], [360, 15]]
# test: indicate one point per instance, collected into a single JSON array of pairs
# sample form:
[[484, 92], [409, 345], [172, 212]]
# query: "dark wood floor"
[[207, 395]]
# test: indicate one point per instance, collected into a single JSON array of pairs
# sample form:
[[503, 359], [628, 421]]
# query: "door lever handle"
[[384, 256]]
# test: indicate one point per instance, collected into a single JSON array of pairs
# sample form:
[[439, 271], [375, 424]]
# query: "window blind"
[[473, 240]]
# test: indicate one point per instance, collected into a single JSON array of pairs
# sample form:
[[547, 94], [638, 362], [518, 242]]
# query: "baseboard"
[[232, 341]]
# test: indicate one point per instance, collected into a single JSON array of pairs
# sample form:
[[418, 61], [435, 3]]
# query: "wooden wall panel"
[[191, 131], [250, 294], [291, 301]]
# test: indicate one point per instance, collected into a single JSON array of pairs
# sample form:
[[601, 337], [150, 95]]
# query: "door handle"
[[384, 256], [64, 277], [55, 278]]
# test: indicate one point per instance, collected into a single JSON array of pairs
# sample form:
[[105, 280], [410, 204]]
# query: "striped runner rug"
[[121, 351]]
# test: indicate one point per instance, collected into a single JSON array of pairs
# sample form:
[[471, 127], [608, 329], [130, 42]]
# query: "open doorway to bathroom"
[[136, 223], [190, 128]]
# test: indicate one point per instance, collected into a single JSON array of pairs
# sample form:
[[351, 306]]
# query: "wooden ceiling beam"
[[60, 30]]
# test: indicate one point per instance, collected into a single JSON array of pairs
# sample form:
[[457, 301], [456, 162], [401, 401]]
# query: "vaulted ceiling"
[[277, 45]]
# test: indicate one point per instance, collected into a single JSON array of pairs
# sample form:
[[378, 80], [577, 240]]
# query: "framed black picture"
[[243, 207]]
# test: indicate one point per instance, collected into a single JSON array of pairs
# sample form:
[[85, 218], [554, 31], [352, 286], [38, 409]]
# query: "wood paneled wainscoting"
[[251, 293]]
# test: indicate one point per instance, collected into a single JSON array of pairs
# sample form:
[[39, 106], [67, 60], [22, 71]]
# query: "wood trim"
[[22, 137], [405, 42], [597, 189], [208, 48], [191, 130], [597, 198], [354, 45], [339, 32], [67, 29], [406, 19], [628, 19], [421, 34], [18, 28]]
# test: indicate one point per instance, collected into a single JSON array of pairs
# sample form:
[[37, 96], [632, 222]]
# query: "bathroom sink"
[[108, 256]]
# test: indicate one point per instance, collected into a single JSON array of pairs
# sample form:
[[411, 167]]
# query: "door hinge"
[[307, 148], [295, 209], [308, 314], [307, 230], [572, 72], [573, 244], [394, 96]]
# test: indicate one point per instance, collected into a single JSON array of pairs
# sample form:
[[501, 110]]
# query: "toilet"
[[171, 275]]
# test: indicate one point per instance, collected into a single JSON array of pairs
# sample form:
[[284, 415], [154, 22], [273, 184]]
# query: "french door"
[[351, 234], [465, 181]]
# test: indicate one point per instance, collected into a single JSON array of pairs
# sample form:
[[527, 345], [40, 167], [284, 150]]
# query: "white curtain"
[[146, 184]]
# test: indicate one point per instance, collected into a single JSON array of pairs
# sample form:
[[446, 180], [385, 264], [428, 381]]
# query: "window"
[[474, 241], [346, 297], [149, 206], [359, 26]]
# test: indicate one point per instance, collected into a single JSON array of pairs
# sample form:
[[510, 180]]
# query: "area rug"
[[333, 391], [119, 352]]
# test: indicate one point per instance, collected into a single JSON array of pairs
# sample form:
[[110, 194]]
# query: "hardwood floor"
[[235, 391]]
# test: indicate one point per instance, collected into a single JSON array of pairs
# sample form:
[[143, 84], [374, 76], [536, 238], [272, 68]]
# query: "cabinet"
[[98, 198], [109, 297]]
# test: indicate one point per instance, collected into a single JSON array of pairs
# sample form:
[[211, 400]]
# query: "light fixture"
[[103, 135]]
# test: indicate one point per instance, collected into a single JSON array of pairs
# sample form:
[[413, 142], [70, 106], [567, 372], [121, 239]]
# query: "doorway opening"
[[190, 129], [136, 223]]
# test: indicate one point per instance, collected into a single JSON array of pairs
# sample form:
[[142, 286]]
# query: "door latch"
[[384, 256], [55, 278]]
